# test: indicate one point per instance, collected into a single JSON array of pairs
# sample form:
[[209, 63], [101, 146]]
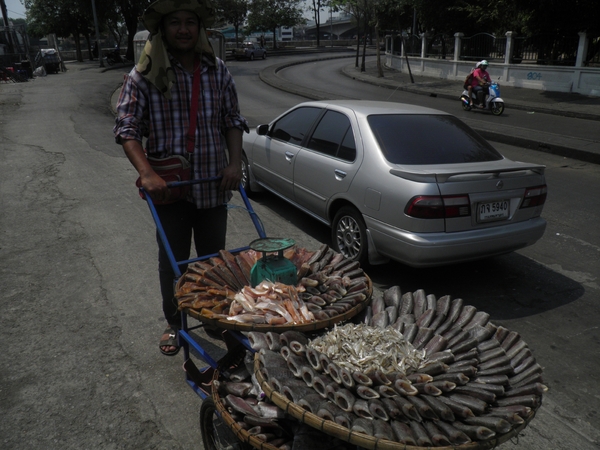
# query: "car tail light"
[[535, 196], [438, 207]]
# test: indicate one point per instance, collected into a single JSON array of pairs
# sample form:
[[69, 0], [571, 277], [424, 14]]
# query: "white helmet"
[[484, 63]]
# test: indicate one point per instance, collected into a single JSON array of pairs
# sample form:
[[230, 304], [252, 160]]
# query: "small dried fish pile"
[[456, 377], [251, 411], [219, 288]]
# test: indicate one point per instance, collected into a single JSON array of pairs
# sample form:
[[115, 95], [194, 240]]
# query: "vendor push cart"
[[220, 411]]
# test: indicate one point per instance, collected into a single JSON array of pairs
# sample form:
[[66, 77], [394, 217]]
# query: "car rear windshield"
[[429, 139]]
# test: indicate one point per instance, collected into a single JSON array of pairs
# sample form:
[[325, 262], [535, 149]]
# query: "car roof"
[[368, 107]]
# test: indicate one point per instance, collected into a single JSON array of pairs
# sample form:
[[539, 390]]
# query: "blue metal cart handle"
[[163, 237]]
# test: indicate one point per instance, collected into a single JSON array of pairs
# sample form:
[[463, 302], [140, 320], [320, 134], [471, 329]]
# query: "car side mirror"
[[262, 130]]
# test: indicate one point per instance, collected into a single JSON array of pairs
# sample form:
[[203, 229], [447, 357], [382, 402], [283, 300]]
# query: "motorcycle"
[[492, 101]]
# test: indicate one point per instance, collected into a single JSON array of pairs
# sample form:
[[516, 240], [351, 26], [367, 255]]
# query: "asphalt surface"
[[531, 100], [80, 317]]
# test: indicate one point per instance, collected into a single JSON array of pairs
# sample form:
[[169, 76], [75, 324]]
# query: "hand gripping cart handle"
[[199, 380]]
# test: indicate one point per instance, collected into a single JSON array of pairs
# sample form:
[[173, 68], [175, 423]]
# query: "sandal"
[[172, 341]]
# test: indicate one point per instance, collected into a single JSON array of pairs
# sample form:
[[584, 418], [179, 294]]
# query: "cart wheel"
[[215, 433]]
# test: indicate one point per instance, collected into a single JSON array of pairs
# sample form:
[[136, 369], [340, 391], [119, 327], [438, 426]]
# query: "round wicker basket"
[[363, 440], [305, 328]]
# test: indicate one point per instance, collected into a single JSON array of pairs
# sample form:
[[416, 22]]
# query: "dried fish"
[[363, 348], [361, 409], [403, 433], [382, 430]]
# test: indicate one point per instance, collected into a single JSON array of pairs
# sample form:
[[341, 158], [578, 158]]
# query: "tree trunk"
[[131, 25], [274, 38], [357, 46], [378, 52], [362, 64], [78, 46], [89, 46]]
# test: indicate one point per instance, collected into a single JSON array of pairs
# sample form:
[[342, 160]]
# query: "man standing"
[[155, 103]]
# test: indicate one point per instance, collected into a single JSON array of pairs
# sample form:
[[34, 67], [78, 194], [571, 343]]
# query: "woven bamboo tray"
[[363, 440], [239, 432], [305, 328]]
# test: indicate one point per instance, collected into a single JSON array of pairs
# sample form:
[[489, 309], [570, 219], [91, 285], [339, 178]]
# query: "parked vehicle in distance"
[[397, 181], [50, 59], [249, 50]]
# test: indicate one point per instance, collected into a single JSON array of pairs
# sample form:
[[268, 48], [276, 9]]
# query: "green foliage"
[[267, 15]]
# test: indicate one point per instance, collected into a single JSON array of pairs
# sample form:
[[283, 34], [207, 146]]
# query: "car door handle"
[[289, 155], [339, 174]]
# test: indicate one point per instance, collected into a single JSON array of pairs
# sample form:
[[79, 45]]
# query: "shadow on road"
[[507, 287]]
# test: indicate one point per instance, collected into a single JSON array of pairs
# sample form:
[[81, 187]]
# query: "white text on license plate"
[[493, 210]]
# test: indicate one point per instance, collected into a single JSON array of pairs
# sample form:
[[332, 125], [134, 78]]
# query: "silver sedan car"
[[397, 181]]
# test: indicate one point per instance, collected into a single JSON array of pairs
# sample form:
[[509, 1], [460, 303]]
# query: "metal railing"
[[554, 50], [483, 46], [440, 46]]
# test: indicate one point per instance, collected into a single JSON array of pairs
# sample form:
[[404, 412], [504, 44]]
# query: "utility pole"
[[97, 33]]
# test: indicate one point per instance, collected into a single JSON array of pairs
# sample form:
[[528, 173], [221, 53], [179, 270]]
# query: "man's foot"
[[169, 345]]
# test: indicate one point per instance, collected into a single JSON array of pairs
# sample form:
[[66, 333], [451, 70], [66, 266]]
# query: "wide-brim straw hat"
[[154, 63], [151, 18]]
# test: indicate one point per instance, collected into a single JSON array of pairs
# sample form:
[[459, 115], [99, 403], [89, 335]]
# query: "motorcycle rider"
[[480, 83]]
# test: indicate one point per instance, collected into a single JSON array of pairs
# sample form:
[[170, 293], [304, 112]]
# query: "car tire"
[[251, 56], [264, 55], [349, 235], [245, 175]]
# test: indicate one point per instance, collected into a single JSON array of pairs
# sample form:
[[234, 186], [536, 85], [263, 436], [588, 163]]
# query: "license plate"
[[493, 210]]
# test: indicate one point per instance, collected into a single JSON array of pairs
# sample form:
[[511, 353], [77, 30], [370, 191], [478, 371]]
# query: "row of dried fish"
[[259, 417], [219, 288], [474, 381]]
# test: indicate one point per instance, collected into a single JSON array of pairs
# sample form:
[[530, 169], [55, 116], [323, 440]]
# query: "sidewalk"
[[531, 100]]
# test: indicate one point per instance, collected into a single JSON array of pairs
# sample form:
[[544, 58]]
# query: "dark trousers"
[[480, 92], [181, 221]]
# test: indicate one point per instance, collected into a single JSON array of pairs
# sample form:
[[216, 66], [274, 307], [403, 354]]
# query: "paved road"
[[80, 317]]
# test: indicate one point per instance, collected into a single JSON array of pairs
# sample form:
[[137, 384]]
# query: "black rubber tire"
[[207, 411], [349, 235], [264, 55], [251, 56], [497, 108], [245, 175], [207, 428]]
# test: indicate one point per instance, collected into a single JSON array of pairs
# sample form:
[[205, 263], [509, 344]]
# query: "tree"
[[61, 17], [356, 8], [234, 12], [316, 8], [271, 14], [130, 11]]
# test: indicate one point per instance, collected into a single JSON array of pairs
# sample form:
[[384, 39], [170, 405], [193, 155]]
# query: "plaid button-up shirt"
[[144, 112]]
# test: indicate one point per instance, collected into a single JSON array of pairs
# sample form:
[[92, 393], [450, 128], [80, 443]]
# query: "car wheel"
[[497, 108], [245, 175], [251, 56], [349, 235], [264, 55]]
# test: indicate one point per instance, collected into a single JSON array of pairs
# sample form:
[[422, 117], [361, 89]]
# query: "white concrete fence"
[[578, 79]]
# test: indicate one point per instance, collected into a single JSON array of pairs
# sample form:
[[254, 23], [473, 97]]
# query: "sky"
[[15, 8]]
